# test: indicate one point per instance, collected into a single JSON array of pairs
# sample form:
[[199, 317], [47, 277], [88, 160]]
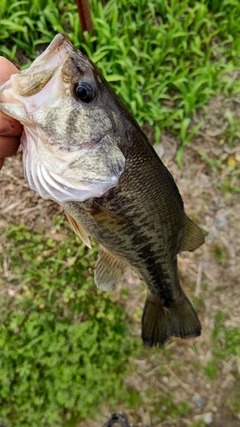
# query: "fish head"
[[71, 145]]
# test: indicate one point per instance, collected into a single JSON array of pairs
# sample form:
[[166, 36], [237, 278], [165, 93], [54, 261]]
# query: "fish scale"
[[135, 241]]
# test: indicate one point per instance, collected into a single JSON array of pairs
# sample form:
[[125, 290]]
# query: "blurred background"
[[69, 353]]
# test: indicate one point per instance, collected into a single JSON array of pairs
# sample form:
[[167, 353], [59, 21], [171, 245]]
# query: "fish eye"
[[85, 91]]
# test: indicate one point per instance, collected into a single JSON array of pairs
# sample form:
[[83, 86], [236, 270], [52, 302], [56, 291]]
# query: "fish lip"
[[58, 40], [54, 47], [43, 68]]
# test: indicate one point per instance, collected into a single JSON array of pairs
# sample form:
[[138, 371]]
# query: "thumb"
[[8, 125]]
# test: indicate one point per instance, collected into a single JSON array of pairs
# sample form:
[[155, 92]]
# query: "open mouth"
[[19, 90], [35, 78]]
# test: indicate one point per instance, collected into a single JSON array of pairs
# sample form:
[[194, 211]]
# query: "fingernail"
[[5, 126]]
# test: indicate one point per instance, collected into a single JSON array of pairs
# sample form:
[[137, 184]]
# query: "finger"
[[7, 69], [8, 125], [9, 145]]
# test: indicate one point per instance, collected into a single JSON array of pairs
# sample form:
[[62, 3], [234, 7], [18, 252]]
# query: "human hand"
[[10, 129]]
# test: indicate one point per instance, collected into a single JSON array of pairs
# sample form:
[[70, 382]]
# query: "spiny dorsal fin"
[[109, 270], [193, 238], [79, 230]]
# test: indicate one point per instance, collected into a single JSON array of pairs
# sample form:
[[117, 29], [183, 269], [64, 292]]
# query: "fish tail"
[[160, 323]]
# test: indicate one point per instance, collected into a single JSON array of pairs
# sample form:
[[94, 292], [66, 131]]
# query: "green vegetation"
[[166, 404], [227, 341], [165, 58], [211, 370], [59, 337], [219, 253], [198, 424], [225, 345], [233, 401], [226, 165]]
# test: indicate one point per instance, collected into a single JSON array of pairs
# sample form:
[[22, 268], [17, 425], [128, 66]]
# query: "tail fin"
[[160, 323]]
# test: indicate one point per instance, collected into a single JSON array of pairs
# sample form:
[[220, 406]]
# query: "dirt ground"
[[211, 282]]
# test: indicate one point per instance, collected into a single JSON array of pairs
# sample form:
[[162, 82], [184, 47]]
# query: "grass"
[[225, 346], [233, 401], [59, 336], [227, 167], [165, 58], [220, 254]]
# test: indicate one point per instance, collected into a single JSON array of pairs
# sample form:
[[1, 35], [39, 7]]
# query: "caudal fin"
[[160, 323]]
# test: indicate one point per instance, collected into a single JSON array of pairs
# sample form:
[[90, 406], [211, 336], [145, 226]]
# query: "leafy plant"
[[225, 344], [228, 169], [165, 58], [60, 338]]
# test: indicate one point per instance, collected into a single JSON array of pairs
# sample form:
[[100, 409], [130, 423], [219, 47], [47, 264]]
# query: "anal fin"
[[193, 238], [79, 230], [109, 270]]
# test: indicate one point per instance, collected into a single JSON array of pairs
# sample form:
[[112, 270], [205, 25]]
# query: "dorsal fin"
[[109, 270], [193, 238], [79, 230]]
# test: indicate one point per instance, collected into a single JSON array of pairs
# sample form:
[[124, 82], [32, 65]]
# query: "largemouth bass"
[[83, 149]]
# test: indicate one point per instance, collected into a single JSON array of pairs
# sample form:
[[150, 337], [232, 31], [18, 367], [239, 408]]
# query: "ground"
[[199, 373]]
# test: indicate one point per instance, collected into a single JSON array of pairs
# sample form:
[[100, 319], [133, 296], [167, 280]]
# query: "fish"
[[83, 149]]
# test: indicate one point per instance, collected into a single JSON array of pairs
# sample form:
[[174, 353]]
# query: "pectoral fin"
[[193, 238], [79, 230], [109, 270]]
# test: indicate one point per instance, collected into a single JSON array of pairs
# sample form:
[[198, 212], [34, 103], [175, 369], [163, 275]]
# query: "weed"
[[233, 401], [198, 424], [166, 404], [59, 336], [232, 133], [211, 370], [165, 59], [228, 169], [220, 254], [225, 344]]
